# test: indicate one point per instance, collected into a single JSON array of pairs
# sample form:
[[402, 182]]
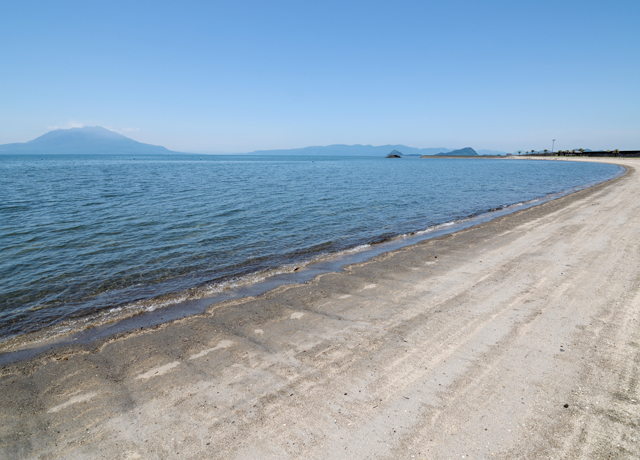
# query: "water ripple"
[[81, 234]]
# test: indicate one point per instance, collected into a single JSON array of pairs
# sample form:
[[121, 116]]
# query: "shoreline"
[[515, 338], [105, 323]]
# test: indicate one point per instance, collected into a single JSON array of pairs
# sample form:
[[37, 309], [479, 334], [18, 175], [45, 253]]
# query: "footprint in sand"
[[157, 371], [221, 344], [74, 400]]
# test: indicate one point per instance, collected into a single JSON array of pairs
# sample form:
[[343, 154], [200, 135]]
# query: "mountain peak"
[[87, 140], [87, 132]]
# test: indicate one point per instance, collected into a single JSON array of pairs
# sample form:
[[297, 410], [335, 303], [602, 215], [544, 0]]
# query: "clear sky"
[[236, 76]]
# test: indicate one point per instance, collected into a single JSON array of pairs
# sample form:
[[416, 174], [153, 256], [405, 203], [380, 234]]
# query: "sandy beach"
[[517, 338]]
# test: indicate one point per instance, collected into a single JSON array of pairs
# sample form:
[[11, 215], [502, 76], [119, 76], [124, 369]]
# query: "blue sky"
[[236, 76]]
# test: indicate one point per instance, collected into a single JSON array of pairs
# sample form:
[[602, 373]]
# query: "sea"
[[91, 239]]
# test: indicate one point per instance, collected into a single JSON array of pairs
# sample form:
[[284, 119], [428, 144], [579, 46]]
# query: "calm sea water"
[[81, 234]]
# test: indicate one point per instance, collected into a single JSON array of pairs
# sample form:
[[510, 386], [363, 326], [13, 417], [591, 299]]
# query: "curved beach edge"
[[110, 322], [515, 338]]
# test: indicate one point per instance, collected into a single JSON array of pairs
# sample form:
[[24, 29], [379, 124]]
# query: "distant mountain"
[[370, 150], [465, 152], [87, 140], [353, 150]]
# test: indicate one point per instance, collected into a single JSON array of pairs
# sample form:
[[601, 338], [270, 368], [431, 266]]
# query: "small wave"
[[111, 315], [362, 247], [436, 227], [383, 238]]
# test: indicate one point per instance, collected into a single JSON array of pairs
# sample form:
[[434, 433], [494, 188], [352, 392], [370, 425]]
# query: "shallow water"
[[81, 234]]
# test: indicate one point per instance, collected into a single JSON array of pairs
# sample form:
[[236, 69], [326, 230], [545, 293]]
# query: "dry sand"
[[518, 338]]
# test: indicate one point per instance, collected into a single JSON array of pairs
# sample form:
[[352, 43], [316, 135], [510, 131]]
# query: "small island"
[[465, 152], [394, 154]]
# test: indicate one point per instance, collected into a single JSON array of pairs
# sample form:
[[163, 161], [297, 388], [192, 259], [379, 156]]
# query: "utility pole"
[[552, 144]]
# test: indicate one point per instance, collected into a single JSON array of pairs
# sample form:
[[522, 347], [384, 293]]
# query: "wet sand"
[[517, 338]]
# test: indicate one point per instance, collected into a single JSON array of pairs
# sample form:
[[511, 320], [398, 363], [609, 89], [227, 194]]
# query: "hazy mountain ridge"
[[87, 140], [98, 140], [367, 150], [465, 152], [355, 150]]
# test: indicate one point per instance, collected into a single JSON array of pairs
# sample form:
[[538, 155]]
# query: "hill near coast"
[[465, 152], [87, 140]]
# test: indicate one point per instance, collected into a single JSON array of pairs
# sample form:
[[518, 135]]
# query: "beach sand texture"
[[517, 338]]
